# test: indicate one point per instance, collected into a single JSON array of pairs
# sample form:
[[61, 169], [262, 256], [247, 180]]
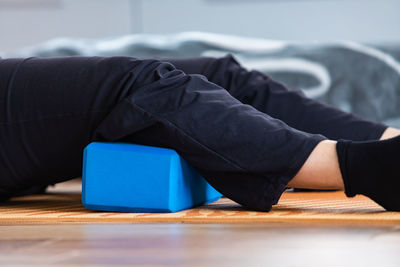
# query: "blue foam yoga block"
[[135, 178]]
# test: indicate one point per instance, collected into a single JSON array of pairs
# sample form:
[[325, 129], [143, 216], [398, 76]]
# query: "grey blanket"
[[360, 78]]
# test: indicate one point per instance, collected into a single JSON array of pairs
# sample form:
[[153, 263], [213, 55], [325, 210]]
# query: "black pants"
[[245, 133]]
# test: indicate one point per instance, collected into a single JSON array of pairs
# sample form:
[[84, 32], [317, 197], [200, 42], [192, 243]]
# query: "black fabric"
[[371, 168], [50, 109], [275, 99]]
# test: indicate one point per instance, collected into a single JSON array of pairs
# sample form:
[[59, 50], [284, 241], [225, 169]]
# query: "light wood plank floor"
[[198, 245], [246, 245]]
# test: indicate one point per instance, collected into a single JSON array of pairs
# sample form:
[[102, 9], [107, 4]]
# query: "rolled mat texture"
[[309, 207]]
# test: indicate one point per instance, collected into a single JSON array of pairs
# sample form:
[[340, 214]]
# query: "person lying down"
[[251, 137]]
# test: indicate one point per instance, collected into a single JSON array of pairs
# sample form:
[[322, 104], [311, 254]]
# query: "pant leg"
[[52, 108], [278, 101], [48, 110]]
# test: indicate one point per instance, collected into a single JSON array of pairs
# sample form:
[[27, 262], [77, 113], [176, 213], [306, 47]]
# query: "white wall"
[[22, 25], [361, 20], [27, 22]]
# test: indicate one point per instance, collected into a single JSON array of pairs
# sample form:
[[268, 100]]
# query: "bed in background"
[[361, 78]]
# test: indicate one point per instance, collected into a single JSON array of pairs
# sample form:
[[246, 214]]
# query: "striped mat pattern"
[[309, 207]]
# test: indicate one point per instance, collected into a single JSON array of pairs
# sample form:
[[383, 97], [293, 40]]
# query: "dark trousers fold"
[[230, 124]]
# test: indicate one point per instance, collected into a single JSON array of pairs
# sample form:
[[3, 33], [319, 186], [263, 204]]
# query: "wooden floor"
[[198, 245], [267, 244]]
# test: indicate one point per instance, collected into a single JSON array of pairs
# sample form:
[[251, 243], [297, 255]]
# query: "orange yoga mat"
[[309, 207]]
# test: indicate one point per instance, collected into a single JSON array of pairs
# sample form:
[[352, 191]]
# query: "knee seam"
[[188, 136]]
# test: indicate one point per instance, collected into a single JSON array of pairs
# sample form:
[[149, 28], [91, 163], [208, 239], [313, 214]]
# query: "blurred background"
[[28, 22], [343, 52]]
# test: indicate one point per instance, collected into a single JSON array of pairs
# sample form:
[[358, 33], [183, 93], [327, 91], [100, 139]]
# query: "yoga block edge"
[[126, 177]]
